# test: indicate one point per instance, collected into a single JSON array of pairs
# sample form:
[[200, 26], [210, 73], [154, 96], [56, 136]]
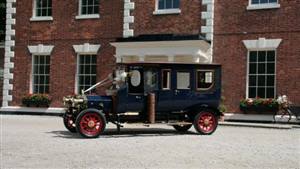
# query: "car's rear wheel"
[[183, 128], [90, 123], [206, 122], [69, 122]]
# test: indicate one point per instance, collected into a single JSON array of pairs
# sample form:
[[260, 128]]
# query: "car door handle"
[[138, 97], [176, 92]]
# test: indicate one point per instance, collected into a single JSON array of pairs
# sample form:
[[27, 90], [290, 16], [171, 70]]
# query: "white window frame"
[[39, 49], [83, 49], [86, 16], [40, 18], [248, 66], [77, 70], [32, 84], [263, 5], [212, 78], [165, 11]]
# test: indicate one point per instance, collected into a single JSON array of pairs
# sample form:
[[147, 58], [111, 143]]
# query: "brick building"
[[258, 44], [53, 50]]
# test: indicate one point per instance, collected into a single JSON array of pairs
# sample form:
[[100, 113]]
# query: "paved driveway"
[[43, 142]]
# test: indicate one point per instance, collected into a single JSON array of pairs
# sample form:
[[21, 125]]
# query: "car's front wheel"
[[206, 122], [90, 123]]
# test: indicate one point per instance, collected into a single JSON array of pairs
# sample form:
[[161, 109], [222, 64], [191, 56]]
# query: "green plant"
[[259, 102], [222, 106], [36, 100]]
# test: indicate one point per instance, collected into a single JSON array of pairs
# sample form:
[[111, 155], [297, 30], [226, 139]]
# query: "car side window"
[[205, 79], [183, 80], [151, 81], [166, 79]]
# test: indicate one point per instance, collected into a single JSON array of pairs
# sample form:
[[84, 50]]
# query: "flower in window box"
[[259, 105]]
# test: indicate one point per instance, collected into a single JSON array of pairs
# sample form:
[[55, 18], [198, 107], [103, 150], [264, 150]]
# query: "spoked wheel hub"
[[90, 124], [205, 122]]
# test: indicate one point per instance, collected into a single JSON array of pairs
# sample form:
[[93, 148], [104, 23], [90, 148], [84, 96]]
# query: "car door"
[[182, 93], [135, 97]]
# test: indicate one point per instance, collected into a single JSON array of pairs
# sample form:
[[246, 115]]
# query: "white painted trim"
[[198, 49], [42, 18], [128, 19], [87, 48], [92, 16], [32, 109], [262, 44], [9, 53], [40, 49], [263, 6], [76, 74], [166, 11]]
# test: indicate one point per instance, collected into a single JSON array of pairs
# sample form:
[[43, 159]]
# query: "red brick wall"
[[63, 32], [233, 23], [187, 22]]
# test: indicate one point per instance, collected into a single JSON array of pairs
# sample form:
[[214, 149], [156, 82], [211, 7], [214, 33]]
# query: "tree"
[[2, 19]]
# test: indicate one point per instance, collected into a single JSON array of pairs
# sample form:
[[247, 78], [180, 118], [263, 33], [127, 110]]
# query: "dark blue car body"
[[172, 100]]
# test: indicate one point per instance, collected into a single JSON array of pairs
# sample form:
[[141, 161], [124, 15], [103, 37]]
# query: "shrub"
[[36, 100]]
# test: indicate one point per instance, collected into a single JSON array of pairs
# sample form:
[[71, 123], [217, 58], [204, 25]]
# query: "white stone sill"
[[95, 16], [263, 6], [167, 12], [47, 18]]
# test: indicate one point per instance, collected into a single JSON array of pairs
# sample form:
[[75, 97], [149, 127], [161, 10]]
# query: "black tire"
[[90, 123], [206, 122], [69, 122], [183, 128]]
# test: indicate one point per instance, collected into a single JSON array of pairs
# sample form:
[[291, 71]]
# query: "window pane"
[[273, 1], [261, 92], [252, 92], [87, 71], [94, 69], [261, 56], [270, 93], [96, 9], [253, 56], [84, 10], [271, 56], [270, 80], [270, 68], [252, 81], [183, 80], [252, 68], [161, 4], [261, 68], [41, 70], [175, 3], [261, 80], [39, 12], [263, 1], [90, 10], [255, 1], [168, 4], [84, 2]]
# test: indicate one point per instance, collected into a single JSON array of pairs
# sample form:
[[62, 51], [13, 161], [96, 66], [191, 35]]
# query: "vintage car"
[[180, 95]]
